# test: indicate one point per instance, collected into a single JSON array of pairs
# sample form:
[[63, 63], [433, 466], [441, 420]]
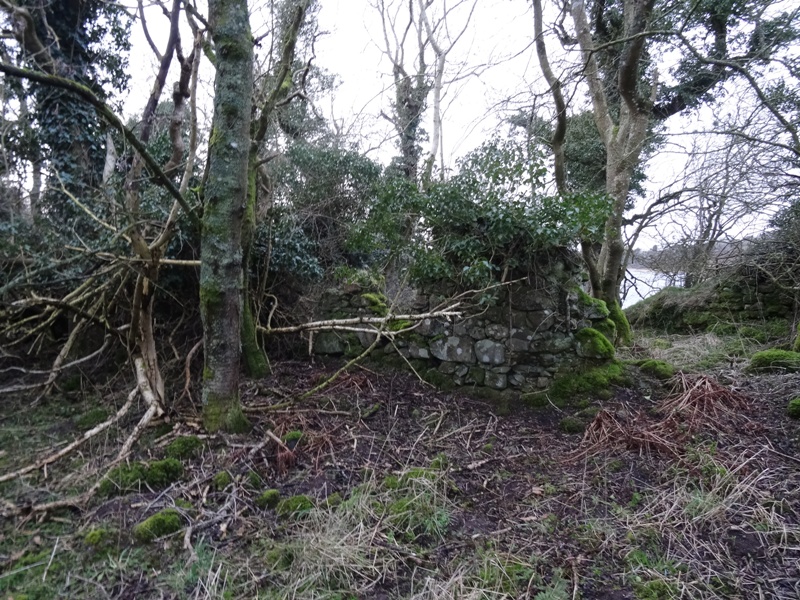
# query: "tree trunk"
[[221, 277]]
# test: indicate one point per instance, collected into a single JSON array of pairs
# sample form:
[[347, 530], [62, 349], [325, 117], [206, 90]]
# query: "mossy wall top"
[[520, 341]]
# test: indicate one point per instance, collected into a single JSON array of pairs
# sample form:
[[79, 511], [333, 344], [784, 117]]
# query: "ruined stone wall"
[[533, 330]]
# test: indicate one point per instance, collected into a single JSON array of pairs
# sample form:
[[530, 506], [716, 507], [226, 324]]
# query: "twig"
[[52, 555]]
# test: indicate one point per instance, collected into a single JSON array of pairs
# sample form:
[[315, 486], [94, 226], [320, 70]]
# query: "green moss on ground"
[[268, 499], [793, 410], [131, 478], [572, 425], [657, 368], [162, 523], [569, 389], [292, 438], [221, 480], [775, 360], [294, 507], [100, 538], [184, 447]]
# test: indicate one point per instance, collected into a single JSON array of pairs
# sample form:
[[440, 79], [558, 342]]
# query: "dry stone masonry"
[[520, 341]]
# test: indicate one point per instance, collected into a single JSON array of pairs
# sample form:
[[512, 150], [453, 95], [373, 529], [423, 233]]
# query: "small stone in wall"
[[453, 349], [416, 351], [558, 343], [516, 379], [497, 332], [489, 352], [448, 368], [476, 375], [327, 342], [430, 327], [477, 332], [497, 381]]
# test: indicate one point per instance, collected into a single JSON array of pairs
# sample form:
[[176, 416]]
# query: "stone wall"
[[530, 332]]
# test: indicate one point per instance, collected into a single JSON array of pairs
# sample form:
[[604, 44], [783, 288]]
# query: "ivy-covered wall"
[[529, 332]]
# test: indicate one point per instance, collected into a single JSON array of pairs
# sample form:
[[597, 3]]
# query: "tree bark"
[[221, 277]]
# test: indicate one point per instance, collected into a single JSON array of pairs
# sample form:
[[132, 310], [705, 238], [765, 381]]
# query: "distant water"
[[643, 283]]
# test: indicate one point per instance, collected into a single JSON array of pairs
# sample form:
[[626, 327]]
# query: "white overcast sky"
[[351, 50]]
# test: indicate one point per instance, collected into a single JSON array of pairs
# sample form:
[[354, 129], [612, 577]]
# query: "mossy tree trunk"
[[226, 195]]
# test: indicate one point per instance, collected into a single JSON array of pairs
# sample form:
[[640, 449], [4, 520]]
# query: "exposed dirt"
[[529, 511]]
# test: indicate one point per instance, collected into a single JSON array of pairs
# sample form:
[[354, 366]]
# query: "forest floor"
[[391, 489]]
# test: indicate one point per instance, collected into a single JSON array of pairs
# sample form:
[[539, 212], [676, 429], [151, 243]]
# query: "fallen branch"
[[330, 324]]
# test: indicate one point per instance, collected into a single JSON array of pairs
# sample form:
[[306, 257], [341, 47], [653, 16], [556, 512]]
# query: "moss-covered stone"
[[658, 369], [598, 306], [775, 360], [568, 389], [130, 478], [165, 522], [593, 344], [399, 325], [221, 480], [438, 379], [92, 418], [608, 328], [377, 303], [292, 438], [793, 410], [268, 499], [187, 446], [572, 425], [294, 507]]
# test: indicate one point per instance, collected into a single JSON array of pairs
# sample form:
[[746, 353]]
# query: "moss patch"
[[221, 480], [775, 360], [99, 539], [294, 507], [184, 447], [162, 523], [132, 477], [571, 425], [292, 438], [268, 499], [657, 368], [571, 388], [624, 332], [588, 301], [594, 344], [793, 410], [607, 327], [377, 303]]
